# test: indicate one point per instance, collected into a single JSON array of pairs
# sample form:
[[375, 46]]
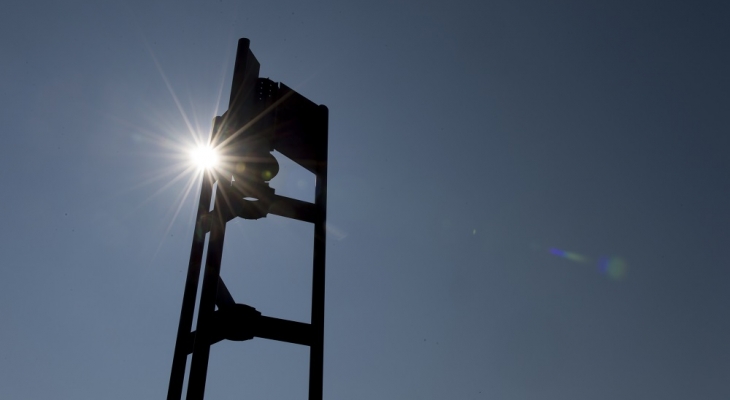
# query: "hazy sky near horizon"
[[527, 199]]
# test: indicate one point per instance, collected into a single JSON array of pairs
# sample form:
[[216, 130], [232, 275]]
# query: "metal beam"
[[179, 360]]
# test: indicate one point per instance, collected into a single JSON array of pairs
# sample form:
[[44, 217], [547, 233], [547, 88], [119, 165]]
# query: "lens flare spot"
[[614, 267], [568, 255]]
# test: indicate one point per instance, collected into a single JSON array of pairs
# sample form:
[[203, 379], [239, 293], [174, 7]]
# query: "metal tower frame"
[[262, 116]]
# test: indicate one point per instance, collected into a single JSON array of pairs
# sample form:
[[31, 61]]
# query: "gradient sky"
[[528, 199]]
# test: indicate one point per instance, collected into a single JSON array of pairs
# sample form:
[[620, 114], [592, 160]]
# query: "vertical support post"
[[316, 351], [201, 348], [179, 360], [262, 116]]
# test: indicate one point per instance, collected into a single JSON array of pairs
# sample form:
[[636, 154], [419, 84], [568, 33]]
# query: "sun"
[[204, 157]]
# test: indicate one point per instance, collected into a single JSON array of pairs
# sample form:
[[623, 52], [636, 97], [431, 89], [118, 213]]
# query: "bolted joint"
[[236, 322], [255, 165], [250, 200]]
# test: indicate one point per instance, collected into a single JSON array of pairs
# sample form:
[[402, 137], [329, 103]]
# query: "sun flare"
[[204, 157]]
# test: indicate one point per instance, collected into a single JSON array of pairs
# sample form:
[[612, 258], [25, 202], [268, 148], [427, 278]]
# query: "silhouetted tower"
[[262, 116]]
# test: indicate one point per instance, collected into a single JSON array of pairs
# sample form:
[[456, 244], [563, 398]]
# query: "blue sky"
[[527, 199]]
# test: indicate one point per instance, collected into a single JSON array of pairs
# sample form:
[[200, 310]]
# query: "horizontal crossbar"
[[273, 329], [293, 208]]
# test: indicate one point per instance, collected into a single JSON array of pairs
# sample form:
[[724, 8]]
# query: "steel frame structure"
[[262, 116]]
